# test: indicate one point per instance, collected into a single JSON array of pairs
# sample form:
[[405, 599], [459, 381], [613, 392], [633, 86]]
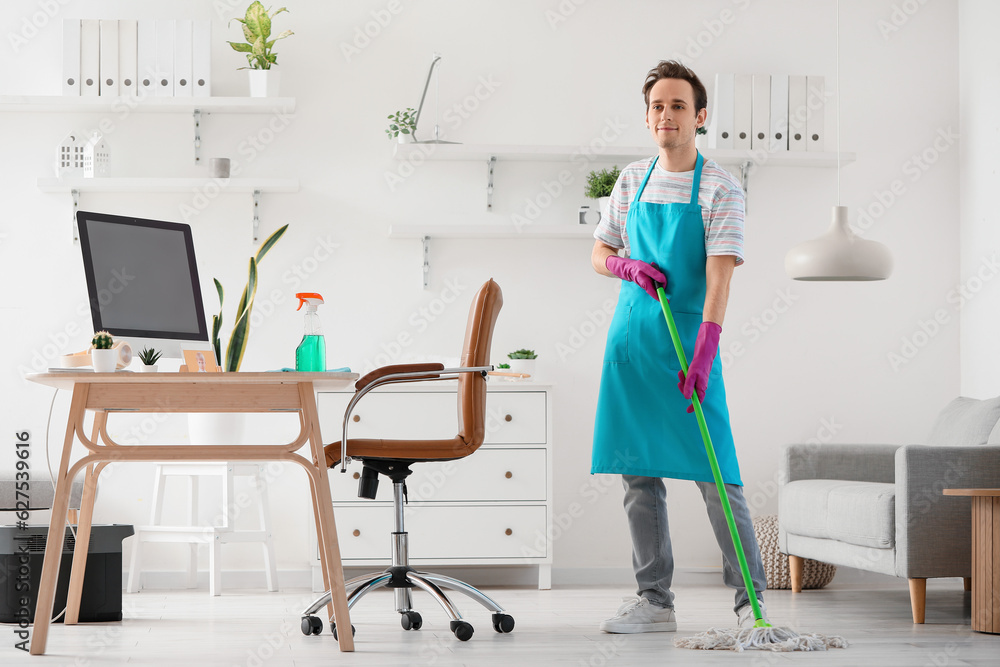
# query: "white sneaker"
[[746, 617], [639, 615]]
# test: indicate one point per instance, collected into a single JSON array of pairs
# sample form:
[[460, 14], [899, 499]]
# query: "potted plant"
[[258, 49], [600, 184], [522, 361], [701, 138], [149, 356], [402, 125], [103, 358]]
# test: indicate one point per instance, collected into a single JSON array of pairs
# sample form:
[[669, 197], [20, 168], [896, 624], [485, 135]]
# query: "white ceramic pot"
[[264, 82], [405, 138], [522, 366], [104, 361], [147, 368], [216, 428], [701, 141], [602, 203]]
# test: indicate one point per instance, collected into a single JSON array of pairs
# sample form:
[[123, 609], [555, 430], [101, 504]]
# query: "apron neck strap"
[[695, 181], [638, 193]]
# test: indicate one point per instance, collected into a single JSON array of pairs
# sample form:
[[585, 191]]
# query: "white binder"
[[127, 57], [779, 113], [109, 58], [761, 112], [797, 113], [71, 57], [201, 60], [165, 30], [146, 57], [721, 131], [742, 111], [816, 123], [90, 57], [182, 58]]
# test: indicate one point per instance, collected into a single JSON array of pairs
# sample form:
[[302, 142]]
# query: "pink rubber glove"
[[638, 272], [705, 349]]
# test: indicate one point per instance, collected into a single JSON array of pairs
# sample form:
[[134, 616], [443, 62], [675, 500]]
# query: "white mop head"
[[765, 639]]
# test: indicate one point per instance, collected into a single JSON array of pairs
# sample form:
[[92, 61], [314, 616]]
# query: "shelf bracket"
[[489, 183], [76, 207], [256, 214], [426, 268], [197, 137]]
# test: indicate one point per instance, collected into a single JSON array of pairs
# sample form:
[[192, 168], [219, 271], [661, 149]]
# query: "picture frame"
[[200, 361]]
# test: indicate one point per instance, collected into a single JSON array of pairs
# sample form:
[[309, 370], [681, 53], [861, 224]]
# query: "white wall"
[[820, 369], [979, 58]]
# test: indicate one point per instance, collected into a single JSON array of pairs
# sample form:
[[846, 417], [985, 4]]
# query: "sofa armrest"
[[860, 463], [933, 531]]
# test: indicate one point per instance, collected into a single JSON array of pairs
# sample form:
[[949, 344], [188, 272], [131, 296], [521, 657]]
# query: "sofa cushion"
[[966, 421], [860, 513]]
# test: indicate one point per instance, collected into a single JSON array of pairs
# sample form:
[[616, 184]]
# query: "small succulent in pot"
[[149, 356]]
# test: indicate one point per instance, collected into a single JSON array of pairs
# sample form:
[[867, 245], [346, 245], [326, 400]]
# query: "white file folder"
[[721, 131], [779, 113], [109, 58], [182, 58], [742, 110], [146, 57], [797, 113], [816, 123], [165, 30], [127, 57], [761, 112], [201, 60], [90, 57], [71, 57]]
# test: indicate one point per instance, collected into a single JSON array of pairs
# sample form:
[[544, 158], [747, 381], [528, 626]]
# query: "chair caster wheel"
[[503, 623], [333, 626], [411, 620], [463, 631], [311, 625]]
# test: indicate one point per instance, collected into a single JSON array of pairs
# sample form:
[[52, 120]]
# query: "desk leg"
[[54, 541], [332, 565], [82, 547]]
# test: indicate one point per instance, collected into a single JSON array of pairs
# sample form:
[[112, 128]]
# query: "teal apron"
[[642, 425]]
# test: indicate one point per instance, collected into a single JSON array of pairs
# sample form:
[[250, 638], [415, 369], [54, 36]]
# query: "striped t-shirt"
[[721, 198]]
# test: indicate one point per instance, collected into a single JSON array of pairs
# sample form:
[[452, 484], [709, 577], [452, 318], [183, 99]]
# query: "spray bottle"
[[310, 355]]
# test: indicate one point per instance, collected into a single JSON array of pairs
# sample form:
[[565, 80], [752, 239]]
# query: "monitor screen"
[[142, 278]]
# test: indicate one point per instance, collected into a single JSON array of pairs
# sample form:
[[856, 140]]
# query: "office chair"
[[393, 459]]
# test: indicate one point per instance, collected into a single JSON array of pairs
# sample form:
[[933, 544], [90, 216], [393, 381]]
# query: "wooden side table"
[[985, 557]]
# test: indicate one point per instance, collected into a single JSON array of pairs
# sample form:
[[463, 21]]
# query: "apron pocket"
[[616, 351]]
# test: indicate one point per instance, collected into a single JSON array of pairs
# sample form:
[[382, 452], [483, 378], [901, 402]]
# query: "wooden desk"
[[103, 393], [985, 557]]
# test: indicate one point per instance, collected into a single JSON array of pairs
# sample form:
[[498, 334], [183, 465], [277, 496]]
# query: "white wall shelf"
[[255, 186], [196, 106]]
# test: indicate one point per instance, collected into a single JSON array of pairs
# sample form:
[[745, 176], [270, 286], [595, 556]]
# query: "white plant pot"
[[216, 428], [404, 138], [264, 82], [147, 368], [522, 366], [104, 361], [701, 141], [602, 203]]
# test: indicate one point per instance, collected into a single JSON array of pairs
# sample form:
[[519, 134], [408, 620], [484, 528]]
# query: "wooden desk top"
[[971, 492], [68, 379]]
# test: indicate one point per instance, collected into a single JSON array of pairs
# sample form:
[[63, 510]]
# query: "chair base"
[[402, 578]]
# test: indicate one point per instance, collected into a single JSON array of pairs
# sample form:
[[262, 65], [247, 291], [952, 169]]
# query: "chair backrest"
[[476, 352]]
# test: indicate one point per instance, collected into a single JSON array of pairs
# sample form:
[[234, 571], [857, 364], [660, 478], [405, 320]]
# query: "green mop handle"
[[719, 484]]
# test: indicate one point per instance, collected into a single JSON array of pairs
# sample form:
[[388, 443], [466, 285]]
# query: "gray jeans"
[[652, 557]]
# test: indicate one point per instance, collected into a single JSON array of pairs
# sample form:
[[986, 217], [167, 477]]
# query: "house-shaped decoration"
[[95, 156], [69, 156]]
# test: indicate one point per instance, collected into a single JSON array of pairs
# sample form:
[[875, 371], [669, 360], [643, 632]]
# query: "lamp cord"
[[838, 102], [52, 478]]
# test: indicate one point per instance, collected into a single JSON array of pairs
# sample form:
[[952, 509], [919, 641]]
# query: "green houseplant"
[[402, 124], [237, 344], [258, 48], [149, 356], [601, 183], [522, 361]]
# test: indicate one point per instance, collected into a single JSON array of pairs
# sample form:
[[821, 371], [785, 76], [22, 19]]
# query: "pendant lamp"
[[839, 254]]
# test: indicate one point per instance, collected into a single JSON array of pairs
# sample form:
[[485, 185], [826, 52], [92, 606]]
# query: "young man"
[[679, 219]]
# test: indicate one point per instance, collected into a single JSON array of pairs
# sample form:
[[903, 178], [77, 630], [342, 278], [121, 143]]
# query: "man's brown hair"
[[671, 69]]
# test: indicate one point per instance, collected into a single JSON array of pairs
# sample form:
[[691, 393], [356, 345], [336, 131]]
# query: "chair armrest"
[[398, 368], [859, 463], [933, 531]]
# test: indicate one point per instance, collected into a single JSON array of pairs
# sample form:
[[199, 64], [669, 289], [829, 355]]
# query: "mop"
[[762, 635]]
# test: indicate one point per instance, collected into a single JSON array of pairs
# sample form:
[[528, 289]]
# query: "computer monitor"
[[143, 282]]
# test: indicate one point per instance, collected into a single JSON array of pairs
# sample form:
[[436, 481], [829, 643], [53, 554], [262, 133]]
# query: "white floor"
[[258, 629]]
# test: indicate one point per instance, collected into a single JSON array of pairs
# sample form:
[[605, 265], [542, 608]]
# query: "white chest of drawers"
[[493, 507]]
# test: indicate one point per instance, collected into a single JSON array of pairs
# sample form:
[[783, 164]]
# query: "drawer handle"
[[508, 532], [357, 533], [507, 418], [356, 418], [357, 475], [508, 474]]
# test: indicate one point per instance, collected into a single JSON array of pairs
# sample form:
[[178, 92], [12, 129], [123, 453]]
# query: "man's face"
[[671, 116]]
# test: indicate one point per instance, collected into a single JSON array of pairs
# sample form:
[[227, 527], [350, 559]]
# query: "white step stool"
[[216, 536]]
